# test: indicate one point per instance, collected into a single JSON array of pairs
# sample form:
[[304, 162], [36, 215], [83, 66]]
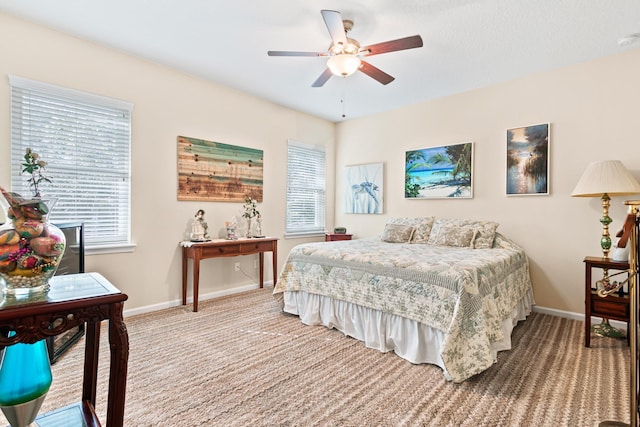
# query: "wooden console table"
[[73, 300], [225, 248]]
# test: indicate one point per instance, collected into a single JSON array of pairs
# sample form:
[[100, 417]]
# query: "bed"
[[446, 292]]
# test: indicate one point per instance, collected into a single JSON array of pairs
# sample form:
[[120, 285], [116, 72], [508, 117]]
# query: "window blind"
[[306, 189], [85, 140]]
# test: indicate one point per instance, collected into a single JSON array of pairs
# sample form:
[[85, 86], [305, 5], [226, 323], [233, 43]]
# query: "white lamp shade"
[[606, 176], [343, 65]]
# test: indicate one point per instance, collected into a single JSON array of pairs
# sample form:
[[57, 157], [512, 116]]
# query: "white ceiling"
[[468, 44]]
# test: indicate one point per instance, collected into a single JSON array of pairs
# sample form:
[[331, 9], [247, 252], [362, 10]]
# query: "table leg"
[[275, 263], [261, 255], [185, 264], [119, 344], [196, 280], [91, 349], [587, 305]]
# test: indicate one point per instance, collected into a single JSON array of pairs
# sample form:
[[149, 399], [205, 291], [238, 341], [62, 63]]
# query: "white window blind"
[[306, 188], [85, 140]]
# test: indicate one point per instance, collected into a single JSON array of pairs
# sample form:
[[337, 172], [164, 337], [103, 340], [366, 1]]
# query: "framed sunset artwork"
[[528, 160]]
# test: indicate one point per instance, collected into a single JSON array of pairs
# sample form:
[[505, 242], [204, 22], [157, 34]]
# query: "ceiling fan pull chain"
[[344, 90]]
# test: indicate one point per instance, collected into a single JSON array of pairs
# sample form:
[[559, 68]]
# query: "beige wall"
[[594, 114], [592, 109], [167, 103]]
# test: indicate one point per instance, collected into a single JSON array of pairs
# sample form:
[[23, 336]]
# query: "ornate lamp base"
[[604, 329]]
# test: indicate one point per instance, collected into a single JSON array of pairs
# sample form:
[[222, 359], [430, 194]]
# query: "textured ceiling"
[[468, 44]]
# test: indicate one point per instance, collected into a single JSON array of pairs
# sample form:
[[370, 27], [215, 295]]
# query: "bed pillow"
[[422, 226], [397, 233], [486, 231]]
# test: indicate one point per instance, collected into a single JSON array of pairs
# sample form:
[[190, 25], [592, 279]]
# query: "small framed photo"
[[528, 160], [439, 172]]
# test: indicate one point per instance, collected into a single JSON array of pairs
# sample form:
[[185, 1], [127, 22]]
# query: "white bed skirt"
[[409, 339]]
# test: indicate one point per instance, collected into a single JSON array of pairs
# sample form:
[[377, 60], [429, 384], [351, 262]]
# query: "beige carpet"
[[240, 362]]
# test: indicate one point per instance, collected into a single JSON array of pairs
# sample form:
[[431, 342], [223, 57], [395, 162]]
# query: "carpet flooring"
[[240, 361]]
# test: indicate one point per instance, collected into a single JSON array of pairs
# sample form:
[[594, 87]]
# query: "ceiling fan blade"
[[294, 53], [376, 73], [333, 19], [392, 46], [320, 81]]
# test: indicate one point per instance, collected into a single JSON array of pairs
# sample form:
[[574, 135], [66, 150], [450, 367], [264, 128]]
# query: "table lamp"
[[603, 179]]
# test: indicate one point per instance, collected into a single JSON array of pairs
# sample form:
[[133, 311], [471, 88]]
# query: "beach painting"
[[213, 171], [439, 172], [364, 189], [528, 160]]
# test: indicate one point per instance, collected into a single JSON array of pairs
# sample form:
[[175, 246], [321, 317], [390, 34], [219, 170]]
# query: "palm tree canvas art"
[[439, 172], [528, 160]]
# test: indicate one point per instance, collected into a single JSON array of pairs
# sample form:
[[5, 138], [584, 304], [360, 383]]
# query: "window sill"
[[304, 235], [109, 249]]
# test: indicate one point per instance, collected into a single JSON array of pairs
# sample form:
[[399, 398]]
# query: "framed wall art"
[[213, 171], [528, 160], [439, 172], [364, 189]]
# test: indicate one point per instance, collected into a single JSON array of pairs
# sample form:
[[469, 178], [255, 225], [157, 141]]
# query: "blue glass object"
[[25, 373]]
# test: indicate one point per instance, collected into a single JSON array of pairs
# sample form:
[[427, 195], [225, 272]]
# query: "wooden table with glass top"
[[75, 299]]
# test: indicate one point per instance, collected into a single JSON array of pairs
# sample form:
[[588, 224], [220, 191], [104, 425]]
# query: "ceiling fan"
[[345, 53]]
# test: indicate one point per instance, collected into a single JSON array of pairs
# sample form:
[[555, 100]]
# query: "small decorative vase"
[[259, 226], [25, 378], [30, 246], [249, 221], [231, 233]]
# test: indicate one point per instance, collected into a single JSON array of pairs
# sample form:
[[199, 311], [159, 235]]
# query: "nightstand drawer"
[[611, 307], [333, 237]]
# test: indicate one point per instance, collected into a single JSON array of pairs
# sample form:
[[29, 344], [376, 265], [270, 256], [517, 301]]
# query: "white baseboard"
[[576, 316], [154, 307], [201, 297]]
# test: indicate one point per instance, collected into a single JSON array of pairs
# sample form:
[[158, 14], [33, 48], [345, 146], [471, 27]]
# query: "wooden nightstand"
[[611, 307], [333, 237]]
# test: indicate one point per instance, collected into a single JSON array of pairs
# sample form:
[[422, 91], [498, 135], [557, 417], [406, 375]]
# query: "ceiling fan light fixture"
[[336, 48], [352, 47], [343, 65]]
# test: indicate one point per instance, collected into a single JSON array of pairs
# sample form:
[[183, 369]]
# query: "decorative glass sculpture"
[[25, 378], [30, 246]]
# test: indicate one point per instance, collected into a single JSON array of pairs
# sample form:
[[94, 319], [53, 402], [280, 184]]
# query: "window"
[[85, 140], [306, 187]]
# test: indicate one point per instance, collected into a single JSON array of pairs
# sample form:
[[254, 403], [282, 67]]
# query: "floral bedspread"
[[466, 293]]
